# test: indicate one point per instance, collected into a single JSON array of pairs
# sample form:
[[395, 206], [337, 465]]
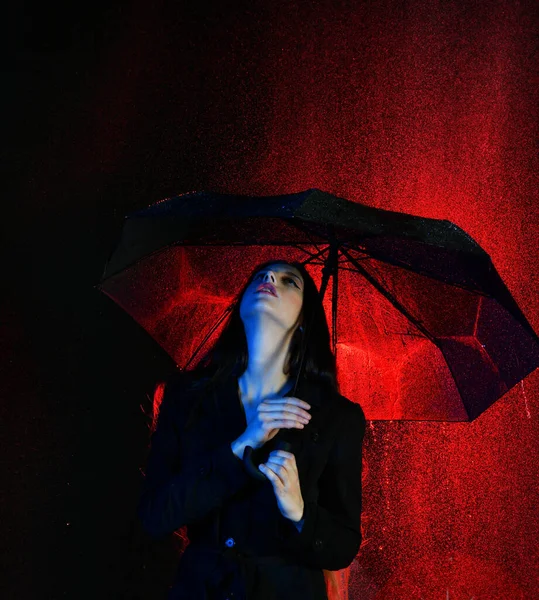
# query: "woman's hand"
[[282, 471], [273, 414]]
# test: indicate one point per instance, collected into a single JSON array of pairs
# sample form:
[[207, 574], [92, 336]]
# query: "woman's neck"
[[267, 350], [254, 389]]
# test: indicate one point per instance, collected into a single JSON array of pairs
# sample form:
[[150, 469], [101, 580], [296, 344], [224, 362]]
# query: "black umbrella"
[[410, 296]]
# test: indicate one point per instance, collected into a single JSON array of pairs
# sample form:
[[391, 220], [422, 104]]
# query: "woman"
[[271, 539]]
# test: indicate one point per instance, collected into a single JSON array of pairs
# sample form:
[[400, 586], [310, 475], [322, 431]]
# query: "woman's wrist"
[[238, 447], [239, 444], [301, 519]]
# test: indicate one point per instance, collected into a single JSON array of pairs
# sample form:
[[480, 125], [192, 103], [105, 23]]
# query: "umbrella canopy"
[[421, 323]]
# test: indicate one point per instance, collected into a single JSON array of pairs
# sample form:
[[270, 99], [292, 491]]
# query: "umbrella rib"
[[309, 233], [406, 267], [208, 335], [390, 297], [312, 255]]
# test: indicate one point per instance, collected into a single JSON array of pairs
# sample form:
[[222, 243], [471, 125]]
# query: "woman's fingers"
[[286, 423], [280, 464], [285, 409], [289, 420], [286, 415], [289, 401], [281, 457]]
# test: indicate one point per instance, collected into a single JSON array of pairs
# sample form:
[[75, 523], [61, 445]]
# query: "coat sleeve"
[[176, 492], [331, 534]]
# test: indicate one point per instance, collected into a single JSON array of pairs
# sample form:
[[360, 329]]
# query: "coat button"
[[230, 542], [314, 436], [318, 544], [203, 470]]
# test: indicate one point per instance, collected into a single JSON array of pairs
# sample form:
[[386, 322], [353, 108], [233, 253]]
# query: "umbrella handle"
[[252, 469]]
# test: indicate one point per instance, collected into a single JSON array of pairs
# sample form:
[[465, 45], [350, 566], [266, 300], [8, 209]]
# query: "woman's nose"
[[269, 276]]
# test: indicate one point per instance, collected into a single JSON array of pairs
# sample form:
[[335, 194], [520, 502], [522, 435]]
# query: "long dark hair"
[[229, 355]]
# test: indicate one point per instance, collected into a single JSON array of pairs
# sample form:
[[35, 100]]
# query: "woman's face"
[[285, 306]]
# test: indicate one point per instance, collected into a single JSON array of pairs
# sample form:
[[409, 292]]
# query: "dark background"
[[410, 106]]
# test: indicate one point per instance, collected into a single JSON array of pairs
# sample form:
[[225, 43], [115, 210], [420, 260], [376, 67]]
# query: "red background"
[[421, 107]]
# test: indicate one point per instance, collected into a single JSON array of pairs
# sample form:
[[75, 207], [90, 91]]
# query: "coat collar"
[[310, 391]]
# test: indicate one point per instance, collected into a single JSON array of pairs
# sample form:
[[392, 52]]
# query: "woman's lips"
[[267, 288]]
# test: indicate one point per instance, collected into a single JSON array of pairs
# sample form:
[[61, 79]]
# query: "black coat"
[[241, 547]]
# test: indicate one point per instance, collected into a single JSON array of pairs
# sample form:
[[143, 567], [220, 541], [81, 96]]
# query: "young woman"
[[278, 538]]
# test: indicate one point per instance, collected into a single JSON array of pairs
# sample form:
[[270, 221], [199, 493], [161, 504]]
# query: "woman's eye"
[[292, 280], [284, 279]]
